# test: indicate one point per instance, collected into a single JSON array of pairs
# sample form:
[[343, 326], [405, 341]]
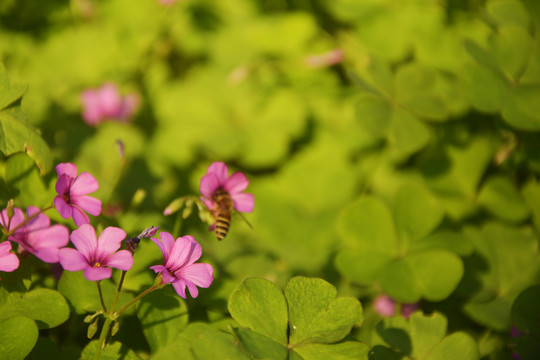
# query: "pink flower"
[[179, 266], [106, 103], [8, 260], [96, 256], [216, 181], [385, 306], [36, 236], [72, 190]]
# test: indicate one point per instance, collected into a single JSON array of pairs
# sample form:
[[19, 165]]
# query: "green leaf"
[[367, 224], [500, 197], [417, 90], [483, 57], [485, 89], [407, 135], [456, 346], [430, 274], [208, 343], [361, 266], [17, 136], [511, 46], [522, 111], [177, 349], [348, 350], [82, 294], [113, 351], [437, 273], [426, 332], [47, 307], [525, 312], [23, 178], [9, 92], [315, 315], [258, 304], [374, 115], [417, 212], [18, 335], [163, 316], [260, 346], [506, 12], [444, 240]]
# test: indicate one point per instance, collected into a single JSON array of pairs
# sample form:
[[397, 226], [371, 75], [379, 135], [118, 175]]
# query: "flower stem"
[[110, 315], [103, 307], [103, 336], [28, 219], [140, 296]]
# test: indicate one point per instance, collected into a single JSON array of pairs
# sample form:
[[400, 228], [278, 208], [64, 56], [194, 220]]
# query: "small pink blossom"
[[96, 256], [385, 306], [179, 266], [216, 179], [106, 103], [72, 199], [8, 260], [36, 236], [329, 58]]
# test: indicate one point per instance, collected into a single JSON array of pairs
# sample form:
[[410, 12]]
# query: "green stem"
[[118, 291], [109, 318], [103, 336], [103, 307], [141, 295], [27, 220]]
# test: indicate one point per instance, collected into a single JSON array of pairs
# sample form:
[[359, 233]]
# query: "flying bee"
[[223, 212]]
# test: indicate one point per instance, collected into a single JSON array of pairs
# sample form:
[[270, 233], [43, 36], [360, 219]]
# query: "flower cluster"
[[106, 103], [97, 255]]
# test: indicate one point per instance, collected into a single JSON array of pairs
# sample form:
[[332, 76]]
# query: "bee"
[[223, 212]]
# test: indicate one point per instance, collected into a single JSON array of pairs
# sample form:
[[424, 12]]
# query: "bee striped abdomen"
[[223, 221]]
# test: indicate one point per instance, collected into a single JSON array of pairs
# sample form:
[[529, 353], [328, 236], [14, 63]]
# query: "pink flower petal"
[[79, 216], [84, 184], [209, 184], [97, 273], [72, 260], [56, 236], [220, 170], [243, 202], [184, 249], [167, 278], [109, 241], [8, 260], [38, 222], [122, 260], [62, 184], [87, 203], [64, 209], [193, 291], [84, 239], [48, 255], [236, 183], [180, 287], [66, 169], [208, 203], [10, 224], [200, 274]]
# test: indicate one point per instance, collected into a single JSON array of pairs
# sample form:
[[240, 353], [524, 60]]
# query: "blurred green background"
[[408, 166]]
